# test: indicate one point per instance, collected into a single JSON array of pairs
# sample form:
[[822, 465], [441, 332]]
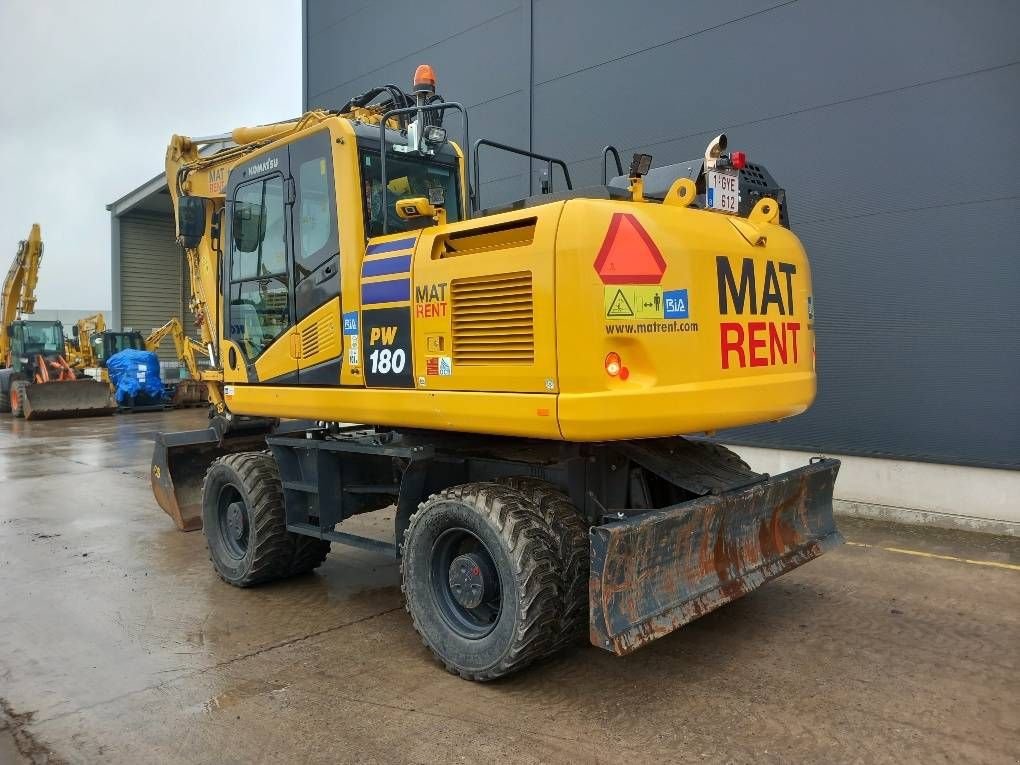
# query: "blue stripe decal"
[[401, 264], [386, 292], [398, 244]]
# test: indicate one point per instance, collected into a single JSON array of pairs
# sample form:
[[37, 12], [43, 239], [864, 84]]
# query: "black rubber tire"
[[573, 553], [309, 554], [18, 399], [723, 453], [523, 549], [5, 402], [271, 552]]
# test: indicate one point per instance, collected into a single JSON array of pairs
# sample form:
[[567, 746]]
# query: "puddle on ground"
[[243, 691]]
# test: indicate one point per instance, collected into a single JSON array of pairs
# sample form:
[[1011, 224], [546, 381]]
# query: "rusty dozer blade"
[[67, 398], [653, 573]]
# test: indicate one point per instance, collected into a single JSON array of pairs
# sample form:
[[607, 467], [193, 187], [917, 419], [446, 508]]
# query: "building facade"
[[885, 123], [149, 275]]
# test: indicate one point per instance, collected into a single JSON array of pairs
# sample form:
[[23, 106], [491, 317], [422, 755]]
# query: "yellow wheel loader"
[[36, 379], [525, 382]]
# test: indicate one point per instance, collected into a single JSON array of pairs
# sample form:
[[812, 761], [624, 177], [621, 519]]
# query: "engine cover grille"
[[493, 319]]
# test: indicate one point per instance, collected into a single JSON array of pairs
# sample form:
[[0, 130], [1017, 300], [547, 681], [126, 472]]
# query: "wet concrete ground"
[[119, 644]]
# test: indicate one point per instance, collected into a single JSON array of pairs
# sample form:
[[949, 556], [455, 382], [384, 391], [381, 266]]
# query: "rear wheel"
[[479, 575], [572, 552], [18, 398], [245, 524]]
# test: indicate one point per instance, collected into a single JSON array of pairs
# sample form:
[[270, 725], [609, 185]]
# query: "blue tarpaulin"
[[135, 377]]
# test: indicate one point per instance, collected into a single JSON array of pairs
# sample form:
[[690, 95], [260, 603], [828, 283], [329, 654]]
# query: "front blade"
[[179, 463], [67, 398], [655, 572]]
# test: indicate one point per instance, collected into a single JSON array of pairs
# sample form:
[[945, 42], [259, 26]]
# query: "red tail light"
[[738, 159]]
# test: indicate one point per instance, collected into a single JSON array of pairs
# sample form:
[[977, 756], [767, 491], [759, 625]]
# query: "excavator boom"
[[18, 296]]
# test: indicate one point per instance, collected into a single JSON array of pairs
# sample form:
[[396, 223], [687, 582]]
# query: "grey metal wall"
[[153, 277], [893, 125]]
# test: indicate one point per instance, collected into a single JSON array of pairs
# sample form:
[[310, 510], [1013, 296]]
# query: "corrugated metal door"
[[152, 277]]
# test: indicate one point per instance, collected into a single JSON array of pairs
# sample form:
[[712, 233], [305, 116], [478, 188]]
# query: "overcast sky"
[[91, 92]]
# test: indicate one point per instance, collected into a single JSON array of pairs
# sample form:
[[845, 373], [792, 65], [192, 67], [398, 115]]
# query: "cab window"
[[259, 306], [315, 223], [259, 240], [405, 178], [258, 313], [42, 338]]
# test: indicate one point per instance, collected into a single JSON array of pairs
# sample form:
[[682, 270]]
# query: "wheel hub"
[[235, 520], [470, 580]]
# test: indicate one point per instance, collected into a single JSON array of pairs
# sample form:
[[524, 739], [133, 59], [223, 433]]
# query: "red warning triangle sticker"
[[628, 254]]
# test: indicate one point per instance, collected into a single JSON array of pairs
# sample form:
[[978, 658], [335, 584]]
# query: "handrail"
[[550, 161], [606, 151], [435, 107]]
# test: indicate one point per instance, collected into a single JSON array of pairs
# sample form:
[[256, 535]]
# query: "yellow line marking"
[[992, 563]]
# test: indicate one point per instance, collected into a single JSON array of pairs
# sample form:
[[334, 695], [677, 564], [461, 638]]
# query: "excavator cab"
[[32, 339], [109, 342]]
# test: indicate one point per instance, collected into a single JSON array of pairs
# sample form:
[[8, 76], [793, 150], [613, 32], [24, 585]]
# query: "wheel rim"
[[232, 517], [465, 583]]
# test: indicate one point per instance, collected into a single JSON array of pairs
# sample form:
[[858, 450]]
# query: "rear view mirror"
[[190, 221], [415, 207], [248, 226]]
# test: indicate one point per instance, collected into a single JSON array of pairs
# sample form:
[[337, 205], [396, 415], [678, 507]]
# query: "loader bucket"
[[655, 572], [67, 398], [179, 464]]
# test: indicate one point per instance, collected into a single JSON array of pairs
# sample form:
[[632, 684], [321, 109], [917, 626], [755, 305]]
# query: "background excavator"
[[93, 345], [36, 379], [524, 373]]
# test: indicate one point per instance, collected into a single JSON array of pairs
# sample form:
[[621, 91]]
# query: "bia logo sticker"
[[675, 305]]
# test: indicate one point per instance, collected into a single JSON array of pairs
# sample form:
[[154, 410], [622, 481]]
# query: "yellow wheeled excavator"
[[36, 379], [530, 378]]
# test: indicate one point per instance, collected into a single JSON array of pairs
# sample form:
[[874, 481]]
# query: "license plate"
[[723, 191]]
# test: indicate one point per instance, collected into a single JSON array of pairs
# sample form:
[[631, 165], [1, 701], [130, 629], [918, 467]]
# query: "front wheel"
[[18, 398], [479, 575], [245, 523]]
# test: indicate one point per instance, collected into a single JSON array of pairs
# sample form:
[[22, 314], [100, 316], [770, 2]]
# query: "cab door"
[[259, 315], [316, 262]]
